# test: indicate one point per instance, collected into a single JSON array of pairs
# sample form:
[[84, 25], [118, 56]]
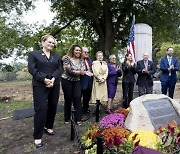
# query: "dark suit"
[[45, 99], [145, 80], [128, 81], [86, 87], [168, 79]]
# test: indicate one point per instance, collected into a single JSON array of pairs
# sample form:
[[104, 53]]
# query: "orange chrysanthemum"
[[122, 111]]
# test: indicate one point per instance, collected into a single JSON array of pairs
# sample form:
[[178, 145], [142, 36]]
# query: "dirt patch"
[[16, 135]]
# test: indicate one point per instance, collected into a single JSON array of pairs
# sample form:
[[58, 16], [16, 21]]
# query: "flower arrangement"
[[144, 138], [169, 138], [120, 140], [91, 134], [89, 137], [122, 111], [112, 120], [114, 135]]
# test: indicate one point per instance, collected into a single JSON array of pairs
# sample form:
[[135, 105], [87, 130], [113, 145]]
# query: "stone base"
[[156, 89]]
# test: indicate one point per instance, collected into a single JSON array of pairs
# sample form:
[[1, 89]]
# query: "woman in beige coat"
[[100, 72]]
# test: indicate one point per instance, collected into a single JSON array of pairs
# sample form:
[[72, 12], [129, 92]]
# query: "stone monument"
[[143, 43], [143, 40], [150, 111]]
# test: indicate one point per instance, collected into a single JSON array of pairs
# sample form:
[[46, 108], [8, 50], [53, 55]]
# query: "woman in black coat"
[[45, 67], [128, 80]]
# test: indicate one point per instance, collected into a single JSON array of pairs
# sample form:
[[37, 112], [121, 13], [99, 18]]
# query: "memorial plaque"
[[161, 112]]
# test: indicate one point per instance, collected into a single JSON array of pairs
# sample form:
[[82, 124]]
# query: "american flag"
[[131, 41]]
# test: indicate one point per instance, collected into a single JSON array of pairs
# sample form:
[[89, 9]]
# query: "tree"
[[163, 50], [110, 19], [14, 35], [6, 6]]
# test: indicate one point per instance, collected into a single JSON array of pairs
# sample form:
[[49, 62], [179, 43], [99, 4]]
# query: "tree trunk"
[[108, 28], [106, 38]]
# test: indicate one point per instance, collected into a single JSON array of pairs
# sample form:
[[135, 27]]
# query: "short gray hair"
[[85, 49], [98, 53], [111, 56]]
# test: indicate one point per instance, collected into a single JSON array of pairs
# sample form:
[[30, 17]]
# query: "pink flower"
[[112, 120], [117, 141]]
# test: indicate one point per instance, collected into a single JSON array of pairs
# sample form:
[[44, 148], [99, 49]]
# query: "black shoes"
[[49, 132], [109, 111], [39, 145], [86, 111]]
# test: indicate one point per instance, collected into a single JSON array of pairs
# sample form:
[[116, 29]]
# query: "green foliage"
[[73, 35], [15, 36], [12, 105], [109, 21], [18, 5], [7, 76], [16, 83], [16, 71], [169, 138], [98, 24], [23, 74], [163, 50]]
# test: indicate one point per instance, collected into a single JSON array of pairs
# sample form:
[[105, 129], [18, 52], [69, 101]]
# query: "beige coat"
[[99, 90]]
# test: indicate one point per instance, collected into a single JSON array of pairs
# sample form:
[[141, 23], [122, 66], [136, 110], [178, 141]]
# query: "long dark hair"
[[126, 55], [70, 53]]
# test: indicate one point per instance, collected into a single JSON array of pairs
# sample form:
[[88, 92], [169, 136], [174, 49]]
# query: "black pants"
[[72, 94], [45, 105], [127, 93], [86, 96], [146, 89]]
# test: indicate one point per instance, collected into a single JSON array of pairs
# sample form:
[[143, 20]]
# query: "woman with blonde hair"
[[45, 67]]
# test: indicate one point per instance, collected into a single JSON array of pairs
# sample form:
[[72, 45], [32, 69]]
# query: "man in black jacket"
[[145, 70]]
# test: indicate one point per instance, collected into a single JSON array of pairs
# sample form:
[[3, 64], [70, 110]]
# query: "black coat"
[[145, 77], [86, 81], [128, 73], [40, 67]]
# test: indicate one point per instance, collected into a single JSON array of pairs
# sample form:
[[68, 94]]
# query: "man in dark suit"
[[86, 81], [145, 70], [168, 66]]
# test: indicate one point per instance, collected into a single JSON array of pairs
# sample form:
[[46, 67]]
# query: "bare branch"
[[60, 29]]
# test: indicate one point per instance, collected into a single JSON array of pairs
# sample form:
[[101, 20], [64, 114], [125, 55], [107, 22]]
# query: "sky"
[[41, 15]]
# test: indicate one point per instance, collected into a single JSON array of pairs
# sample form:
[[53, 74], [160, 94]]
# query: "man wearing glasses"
[[169, 67]]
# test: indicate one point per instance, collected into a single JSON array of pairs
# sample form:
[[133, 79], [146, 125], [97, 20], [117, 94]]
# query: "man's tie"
[[169, 60], [146, 64]]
